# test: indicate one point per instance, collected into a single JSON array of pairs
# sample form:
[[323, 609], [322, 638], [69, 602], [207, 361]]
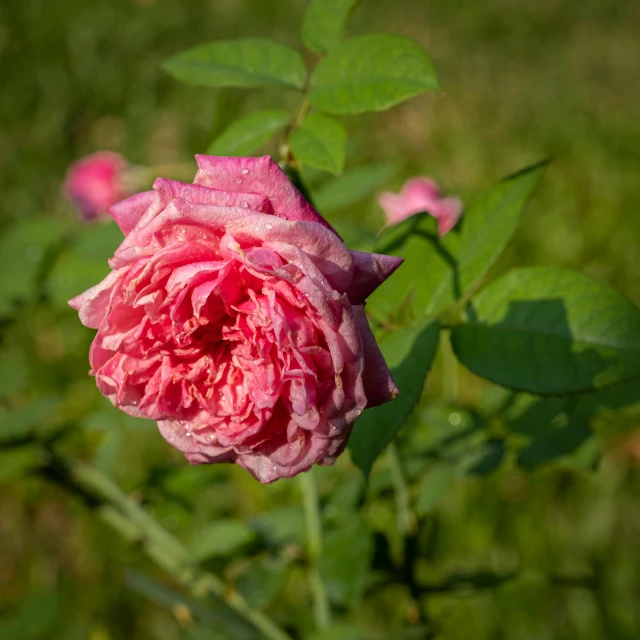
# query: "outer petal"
[[379, 386], [261, 175], [370, 270], [93, 303], [128, 212]]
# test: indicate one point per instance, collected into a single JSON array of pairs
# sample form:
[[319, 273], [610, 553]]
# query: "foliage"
[[502, 495]]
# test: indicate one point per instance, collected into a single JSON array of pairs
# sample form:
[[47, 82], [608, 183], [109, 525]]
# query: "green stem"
[[137, 526], [406, 519], [321, 608], [450, 386]]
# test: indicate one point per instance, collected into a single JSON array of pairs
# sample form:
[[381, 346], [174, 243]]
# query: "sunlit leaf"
[[246, 135], [249, 62], [371, 73], [320, 142], [324, 23]]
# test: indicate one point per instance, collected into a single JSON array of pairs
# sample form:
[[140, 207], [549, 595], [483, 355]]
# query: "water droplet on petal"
[[183, 231], [188, 434], [358, 412], [185, 192], [238, 180], [245, 171], [269, 226], [244, 204]]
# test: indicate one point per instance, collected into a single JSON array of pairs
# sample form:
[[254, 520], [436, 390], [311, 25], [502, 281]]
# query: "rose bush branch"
[[134, 524]]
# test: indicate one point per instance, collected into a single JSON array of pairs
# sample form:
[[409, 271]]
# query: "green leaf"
[[439, 271], [551, 332], [324, 23], [246, 135], [554, 442], [23, 249], [345, 560], [409, 353], [320, 142], [84, 264], [371, 73], [250, 62], [354, 185], [221, 538]]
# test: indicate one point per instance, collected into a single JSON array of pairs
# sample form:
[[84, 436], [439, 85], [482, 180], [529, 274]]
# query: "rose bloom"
[[418, 195], [96, 182], [233, 316]]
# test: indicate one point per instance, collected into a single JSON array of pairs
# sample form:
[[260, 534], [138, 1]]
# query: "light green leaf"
[[354, 185], [221, 538], [439, 271], [320, 142], [551, 332], [250, 62], [345, 560], [409, 353], [371, 73], [324, 23], [246, 135]]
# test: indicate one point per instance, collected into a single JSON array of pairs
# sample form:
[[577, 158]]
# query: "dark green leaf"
[[324, 23], [371, 73], [320, 142], [246, 135], [554, 441], [354, 185], [221, 538], [250, 62], [483, 459], [551, 332], [345, 560], [409, 353]]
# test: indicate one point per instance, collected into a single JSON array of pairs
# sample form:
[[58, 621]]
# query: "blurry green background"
[[544, 552]]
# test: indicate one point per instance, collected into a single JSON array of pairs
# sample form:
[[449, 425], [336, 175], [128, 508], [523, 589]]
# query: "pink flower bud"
[[96, 182], [418, 195]]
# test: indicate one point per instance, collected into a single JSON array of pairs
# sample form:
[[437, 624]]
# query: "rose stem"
[[321, 608], [130, 520], [450, 388]]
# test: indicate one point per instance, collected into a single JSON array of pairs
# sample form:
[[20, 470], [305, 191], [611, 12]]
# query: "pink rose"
[[417, 195], [96, 182], [233, 316]]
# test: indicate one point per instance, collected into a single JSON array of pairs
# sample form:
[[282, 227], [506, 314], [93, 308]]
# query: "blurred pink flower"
[[234, 317], [96, 182], [418, 195]]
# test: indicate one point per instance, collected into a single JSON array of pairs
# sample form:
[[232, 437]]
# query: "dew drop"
[[269, 226], [210, 437], [185, 192], [244, 204], [245, 171], [238, 180], [188, 434], [358, 412], [183, 231]]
